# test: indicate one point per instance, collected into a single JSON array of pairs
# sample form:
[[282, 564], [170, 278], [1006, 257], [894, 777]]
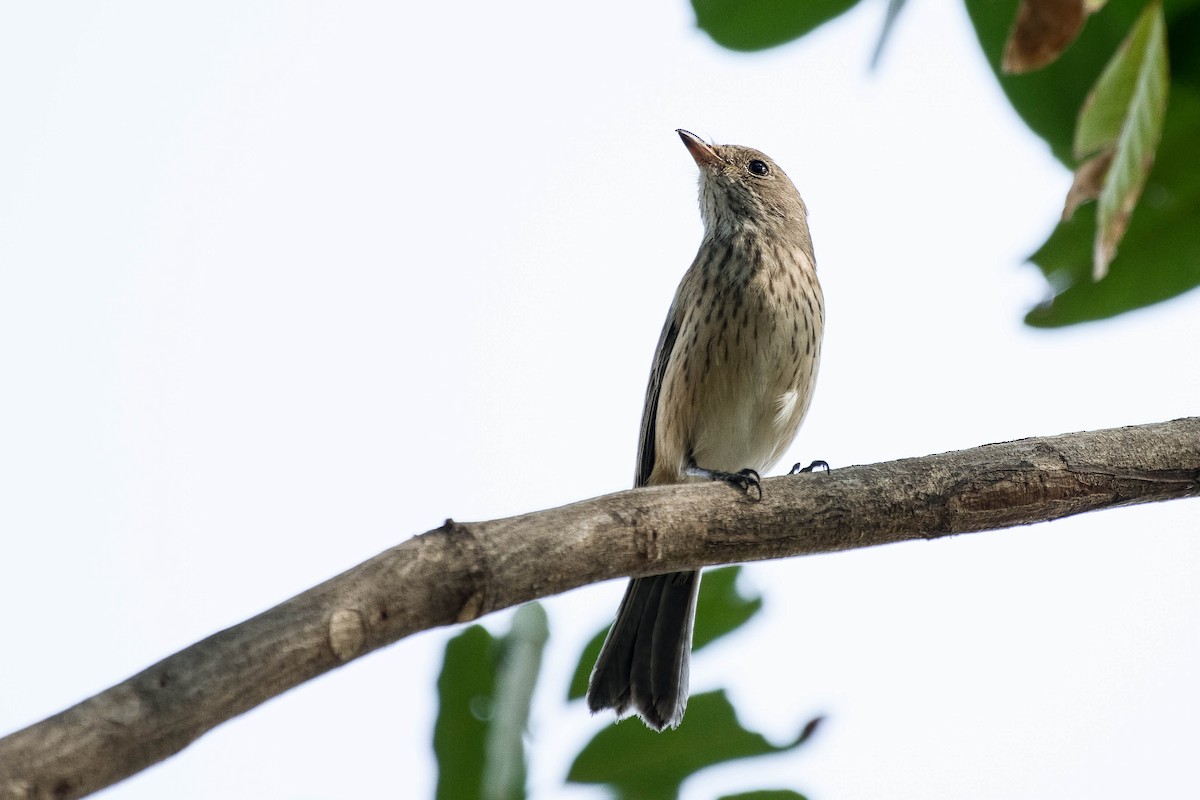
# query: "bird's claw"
[[745, 480], [813, 467]]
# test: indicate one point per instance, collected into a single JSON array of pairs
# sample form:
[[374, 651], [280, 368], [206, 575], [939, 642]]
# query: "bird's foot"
[[813, 467], [745, 479]]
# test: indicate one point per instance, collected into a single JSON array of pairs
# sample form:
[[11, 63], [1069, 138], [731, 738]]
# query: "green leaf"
[[484, 691], [1125, 112], [636, 762], [759, 24], [720, 609], [1160, 255], [516, 677], [465, 688], [1134, 82]]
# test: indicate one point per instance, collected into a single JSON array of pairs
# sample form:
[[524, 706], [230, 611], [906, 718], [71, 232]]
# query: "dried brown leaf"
[[1089, 178], [1041, 31]]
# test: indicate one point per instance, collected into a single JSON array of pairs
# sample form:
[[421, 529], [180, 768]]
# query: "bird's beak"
[[702, 153]]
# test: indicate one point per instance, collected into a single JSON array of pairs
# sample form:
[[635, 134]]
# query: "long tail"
[[644, 660]]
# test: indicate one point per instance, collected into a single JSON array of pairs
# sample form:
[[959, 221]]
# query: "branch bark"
[[461, 571]]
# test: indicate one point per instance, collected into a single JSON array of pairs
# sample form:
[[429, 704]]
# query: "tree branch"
[[461, 571]]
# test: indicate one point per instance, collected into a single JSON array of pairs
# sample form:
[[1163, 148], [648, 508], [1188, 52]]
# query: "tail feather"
[[644, 661]]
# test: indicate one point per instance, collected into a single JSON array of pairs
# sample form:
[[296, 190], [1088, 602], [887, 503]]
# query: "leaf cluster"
[[484, 691]]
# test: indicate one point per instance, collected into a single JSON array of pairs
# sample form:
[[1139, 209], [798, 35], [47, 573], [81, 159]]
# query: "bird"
[[731, 381]]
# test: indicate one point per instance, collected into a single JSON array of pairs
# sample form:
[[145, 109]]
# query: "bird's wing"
[[662, 357]]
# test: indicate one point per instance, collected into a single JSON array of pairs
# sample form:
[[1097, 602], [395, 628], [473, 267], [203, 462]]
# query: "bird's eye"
[[757, 167]]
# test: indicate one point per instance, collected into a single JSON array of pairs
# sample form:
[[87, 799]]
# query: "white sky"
[[282, 284]]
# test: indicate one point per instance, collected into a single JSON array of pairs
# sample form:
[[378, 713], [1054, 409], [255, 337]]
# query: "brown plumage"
[[731, 381]]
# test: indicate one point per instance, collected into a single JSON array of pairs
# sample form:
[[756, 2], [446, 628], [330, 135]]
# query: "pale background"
[[282, 284]]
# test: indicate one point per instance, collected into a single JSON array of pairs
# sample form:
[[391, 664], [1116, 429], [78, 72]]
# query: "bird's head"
[[742, 191]]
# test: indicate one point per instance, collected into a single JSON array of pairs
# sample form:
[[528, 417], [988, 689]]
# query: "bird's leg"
[[813, 467], [744, 479]]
